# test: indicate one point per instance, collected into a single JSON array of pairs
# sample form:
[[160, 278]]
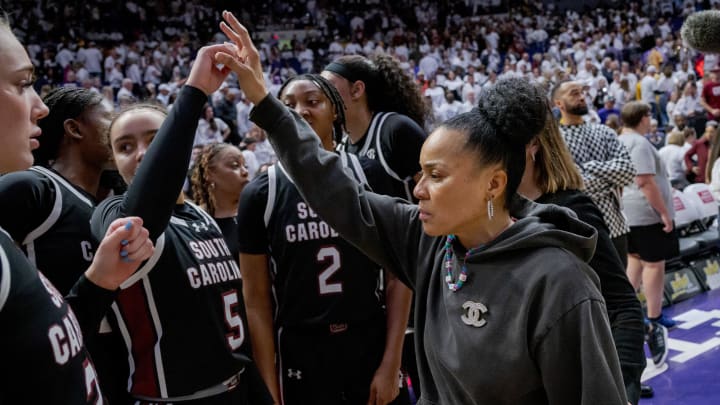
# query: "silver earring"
[[491, 209], [533, 157]]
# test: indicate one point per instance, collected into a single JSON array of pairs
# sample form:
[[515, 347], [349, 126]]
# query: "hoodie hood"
[[541, 225]]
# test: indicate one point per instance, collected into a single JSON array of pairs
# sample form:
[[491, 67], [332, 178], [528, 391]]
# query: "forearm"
[[159, 179], [263, 346], [618, 172], [652, 193], [90, 302], [398, 300]]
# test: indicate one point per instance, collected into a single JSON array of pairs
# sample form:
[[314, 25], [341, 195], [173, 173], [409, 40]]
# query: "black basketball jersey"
[[395, 141], [50, 218], [181, 315], [318, 277], [44, 359]]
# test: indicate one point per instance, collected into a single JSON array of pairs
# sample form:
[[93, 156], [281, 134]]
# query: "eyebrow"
[[26, 68], [130, 135]]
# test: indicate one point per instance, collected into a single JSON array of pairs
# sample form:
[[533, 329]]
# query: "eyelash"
[[30, 82]]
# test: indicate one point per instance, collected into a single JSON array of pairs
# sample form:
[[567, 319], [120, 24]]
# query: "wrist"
[[92, 274]]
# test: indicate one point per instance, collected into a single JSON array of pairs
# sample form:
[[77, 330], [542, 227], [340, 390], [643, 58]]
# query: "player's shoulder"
[[25, 181]]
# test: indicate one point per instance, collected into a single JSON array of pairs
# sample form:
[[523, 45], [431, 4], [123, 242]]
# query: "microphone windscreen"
[[701, 31]]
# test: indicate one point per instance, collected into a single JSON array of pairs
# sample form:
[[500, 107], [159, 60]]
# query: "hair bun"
[[516, 108]]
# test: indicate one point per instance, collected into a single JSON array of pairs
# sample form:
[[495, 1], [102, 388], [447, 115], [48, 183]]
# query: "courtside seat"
[[704, 201], [689, 247], [688, 218]]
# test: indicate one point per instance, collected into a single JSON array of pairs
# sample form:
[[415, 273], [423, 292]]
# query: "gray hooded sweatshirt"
[[528, 327]]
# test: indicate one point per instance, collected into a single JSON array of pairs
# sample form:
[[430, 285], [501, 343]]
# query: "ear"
[[497, 184], [357, 90], [533, 147], [72, 129]]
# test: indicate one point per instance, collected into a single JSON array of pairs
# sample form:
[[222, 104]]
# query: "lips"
[[424, 215], [34, 143]]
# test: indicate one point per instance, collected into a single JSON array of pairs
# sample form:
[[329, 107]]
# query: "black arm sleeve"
[[402, 140], [386, 229], [159, 179], [27, 200], [90, 303], [252, 233]]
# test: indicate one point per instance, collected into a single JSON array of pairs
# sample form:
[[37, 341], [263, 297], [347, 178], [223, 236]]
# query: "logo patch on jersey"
[[296, 374], [199, 226], [474, 314], [371, 154]]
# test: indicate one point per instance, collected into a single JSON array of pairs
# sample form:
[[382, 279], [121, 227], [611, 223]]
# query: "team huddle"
[[297, 287]]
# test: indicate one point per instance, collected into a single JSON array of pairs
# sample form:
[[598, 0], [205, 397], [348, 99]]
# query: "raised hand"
[[242, 57], [204, 74], [125, 246]]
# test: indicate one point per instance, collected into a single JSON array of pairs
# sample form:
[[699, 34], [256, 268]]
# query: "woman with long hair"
[[499, 281], [385, 114], [551, 177], [330, 323]]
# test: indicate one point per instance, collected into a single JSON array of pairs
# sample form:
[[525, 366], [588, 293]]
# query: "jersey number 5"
[[236, 337], [332, 255]]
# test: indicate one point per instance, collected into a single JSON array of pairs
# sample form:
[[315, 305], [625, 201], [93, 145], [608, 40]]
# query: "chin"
[[432, 230]]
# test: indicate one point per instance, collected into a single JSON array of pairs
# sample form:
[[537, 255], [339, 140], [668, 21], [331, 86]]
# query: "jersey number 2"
[[232, 319], [331, 253]]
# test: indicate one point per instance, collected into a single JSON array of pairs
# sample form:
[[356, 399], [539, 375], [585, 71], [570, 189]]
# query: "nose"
[[40, 110], [302, 110], [141, 152], [420, 191]]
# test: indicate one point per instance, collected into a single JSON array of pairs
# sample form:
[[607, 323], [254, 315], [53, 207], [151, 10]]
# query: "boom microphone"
[[702, 31]]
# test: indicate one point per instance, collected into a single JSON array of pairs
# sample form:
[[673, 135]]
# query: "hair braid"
[[201, 189]]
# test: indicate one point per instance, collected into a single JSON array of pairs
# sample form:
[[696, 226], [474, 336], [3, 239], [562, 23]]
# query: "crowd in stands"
[[627, 51]]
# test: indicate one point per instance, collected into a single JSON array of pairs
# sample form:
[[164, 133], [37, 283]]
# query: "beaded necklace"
[[454, 286]]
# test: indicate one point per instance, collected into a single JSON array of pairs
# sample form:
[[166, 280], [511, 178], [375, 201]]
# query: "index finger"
[[242, 33]]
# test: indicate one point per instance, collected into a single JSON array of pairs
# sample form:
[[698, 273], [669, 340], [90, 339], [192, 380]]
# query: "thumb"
[[231, 62]]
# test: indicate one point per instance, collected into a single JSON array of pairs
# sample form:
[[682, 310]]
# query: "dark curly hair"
[[388, 87], [331, 93], [508, 116], [201, 185], [64, 103]]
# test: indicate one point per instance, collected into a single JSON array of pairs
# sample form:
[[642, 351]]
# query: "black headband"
[[352, 75]]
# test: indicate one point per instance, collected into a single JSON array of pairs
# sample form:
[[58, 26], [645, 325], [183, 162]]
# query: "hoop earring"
[[490, 209]]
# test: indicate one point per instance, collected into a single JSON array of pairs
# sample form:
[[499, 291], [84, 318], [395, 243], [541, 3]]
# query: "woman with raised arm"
[[181, 316], [330, 323], [40, 331], [506, 310]]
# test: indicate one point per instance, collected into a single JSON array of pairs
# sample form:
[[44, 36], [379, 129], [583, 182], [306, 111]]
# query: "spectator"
[[210, 129], [649, 208], [710, 96], [673, 156], [608, 109], [697, 156]]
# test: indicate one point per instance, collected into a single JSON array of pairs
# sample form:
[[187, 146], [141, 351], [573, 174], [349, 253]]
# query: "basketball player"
[[41, 333], [332, 340], [49, 208], [385, 114], [181, 315]]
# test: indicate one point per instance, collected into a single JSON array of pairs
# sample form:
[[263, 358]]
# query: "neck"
[[181, 199], [571, 119], [528, 185], [357, 122], [627, 130], [226, 205], [488, 232], [80, 173]]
